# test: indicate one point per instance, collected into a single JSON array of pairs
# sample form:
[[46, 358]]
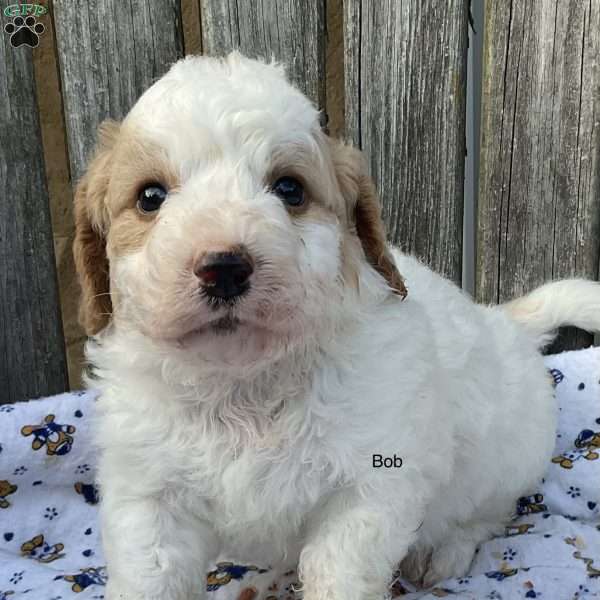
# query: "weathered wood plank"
[[291, 31], [405, 80], [109, 52], [539, 197], [32, 353]]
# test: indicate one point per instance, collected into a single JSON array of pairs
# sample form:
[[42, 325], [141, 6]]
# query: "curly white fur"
[[258, 443]]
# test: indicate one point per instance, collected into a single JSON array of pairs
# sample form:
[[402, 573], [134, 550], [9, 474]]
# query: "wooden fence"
[[405, 73]]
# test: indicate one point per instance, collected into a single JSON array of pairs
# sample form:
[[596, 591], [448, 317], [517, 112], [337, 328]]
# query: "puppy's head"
[[219, 219]]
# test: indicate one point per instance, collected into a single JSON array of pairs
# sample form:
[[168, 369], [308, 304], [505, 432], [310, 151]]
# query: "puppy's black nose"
[[224, 274]]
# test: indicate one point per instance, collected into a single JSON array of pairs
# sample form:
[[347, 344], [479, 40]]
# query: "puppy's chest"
[[265, 488]]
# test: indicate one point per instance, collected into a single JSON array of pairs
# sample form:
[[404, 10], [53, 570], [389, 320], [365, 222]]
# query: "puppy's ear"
[[364, 213], [91, 227]]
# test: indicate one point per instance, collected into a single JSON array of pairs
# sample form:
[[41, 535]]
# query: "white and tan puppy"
[[254, 350]]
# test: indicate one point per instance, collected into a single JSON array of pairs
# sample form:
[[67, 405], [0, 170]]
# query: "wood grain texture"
[[539, 196], [291, 31], [405, 80], [32, 352], [109, 52]]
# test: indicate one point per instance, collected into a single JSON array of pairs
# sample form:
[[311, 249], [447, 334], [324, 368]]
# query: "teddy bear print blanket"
[[50, 547]]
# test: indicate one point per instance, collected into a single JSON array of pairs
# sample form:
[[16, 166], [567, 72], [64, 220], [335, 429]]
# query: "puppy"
[[255, 346]]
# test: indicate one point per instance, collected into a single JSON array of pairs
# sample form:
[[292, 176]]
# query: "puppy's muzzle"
[[224, 275]]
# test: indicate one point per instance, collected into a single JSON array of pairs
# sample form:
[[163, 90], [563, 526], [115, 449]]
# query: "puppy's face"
[[219, 219]]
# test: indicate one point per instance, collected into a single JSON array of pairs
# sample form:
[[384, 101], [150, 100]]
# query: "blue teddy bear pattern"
[[54, 436]]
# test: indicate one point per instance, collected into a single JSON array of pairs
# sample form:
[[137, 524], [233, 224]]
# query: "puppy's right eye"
[[290, 190], [151, 197]]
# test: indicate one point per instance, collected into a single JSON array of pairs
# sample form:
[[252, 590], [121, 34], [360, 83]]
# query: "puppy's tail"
[[573, 302]]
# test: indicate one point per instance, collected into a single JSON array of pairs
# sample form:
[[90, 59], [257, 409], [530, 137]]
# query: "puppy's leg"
[[453, 556], [154, 550], [415, 564], [354, 545]]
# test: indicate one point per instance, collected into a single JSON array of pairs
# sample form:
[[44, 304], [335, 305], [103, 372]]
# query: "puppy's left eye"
[[151, 197], [290, 190]]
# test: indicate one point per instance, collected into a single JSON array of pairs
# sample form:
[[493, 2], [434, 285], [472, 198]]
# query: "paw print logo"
[[509, 554], [24, 32], [16, 577], [51, 513]]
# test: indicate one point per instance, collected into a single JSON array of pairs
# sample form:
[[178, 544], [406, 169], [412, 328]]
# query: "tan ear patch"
[[364, 212], [107, 220], [91, 225], [371, 232]]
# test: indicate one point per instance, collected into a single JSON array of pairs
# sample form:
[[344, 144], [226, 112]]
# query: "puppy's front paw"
[[416, 564], [450, 560]]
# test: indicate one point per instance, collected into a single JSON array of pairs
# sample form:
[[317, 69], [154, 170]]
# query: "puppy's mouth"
[[225, 325], [236, 318]]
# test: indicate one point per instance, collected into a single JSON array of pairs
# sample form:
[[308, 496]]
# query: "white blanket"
[[50, 548]]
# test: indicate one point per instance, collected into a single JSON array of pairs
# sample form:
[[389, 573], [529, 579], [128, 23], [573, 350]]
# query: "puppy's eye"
[[290, 190], [151, 197]]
